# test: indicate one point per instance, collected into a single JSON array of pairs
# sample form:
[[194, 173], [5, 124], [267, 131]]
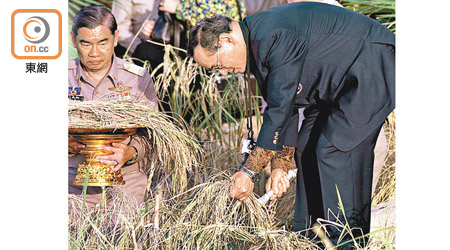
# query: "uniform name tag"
[[76, 97]]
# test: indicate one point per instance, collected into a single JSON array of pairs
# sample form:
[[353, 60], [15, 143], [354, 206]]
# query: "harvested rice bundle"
[[171, 146], [282, 239], [209, 219]]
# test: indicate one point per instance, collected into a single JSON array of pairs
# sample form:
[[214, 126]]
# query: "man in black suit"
[[336, 64]]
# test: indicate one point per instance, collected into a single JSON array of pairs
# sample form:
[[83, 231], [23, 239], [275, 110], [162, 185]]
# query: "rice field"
[[195, 151]]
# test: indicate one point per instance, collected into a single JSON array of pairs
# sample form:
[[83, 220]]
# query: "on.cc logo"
[[36, 34]]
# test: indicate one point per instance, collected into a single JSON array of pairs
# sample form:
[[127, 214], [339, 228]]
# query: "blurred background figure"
[[192, 11], [136, 20], [255, 6], [130, 16], [332, 2]]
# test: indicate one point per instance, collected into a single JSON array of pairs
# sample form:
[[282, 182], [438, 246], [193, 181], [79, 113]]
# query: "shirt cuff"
[[283, 159], [258, 159]]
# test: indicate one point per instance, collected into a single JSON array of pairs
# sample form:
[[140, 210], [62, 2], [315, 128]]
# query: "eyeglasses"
[[218, 67]]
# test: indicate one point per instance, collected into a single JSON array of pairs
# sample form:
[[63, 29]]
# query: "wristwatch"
[[254, 176], [135, 156]]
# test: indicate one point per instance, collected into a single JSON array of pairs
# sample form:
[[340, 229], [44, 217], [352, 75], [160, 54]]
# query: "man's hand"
[[121, 154], [278, 182], [243, 186], [75, 147], [147, 30]]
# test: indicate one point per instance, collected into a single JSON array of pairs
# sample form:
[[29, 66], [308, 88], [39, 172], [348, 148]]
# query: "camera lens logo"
[[36, 30]]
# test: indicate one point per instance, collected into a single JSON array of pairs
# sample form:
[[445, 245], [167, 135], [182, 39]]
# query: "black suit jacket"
[[306, 54]]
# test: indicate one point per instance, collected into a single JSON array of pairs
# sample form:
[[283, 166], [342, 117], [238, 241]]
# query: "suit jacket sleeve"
[[281, 54]]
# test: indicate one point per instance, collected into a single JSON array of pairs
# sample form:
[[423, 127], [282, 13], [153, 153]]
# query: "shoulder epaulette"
[[133, 68], [72, 64]]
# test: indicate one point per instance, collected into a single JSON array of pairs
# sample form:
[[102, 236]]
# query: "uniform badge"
[[120, 96], [120, 88], [74, 94]]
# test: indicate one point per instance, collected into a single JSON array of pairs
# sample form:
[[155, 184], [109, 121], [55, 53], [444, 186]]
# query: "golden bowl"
[[97, 173]]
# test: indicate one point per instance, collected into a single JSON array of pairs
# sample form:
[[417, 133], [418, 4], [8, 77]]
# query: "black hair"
[[93, 16], [207, 32]]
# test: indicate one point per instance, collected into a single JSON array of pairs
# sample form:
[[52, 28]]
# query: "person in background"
[[131, 15], [255, 6], [98, 74], [192, 11], [332, 2], [137, 18]]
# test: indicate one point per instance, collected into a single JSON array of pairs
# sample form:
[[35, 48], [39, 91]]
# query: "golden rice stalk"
[[385, 190], [172, 148], [210, 204], [121, 224], [209, 219], [236, 225]]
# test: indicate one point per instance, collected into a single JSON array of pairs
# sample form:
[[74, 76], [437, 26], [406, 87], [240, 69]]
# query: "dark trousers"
[[323, 171]]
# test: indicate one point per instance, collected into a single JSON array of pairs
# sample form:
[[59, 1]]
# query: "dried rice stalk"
[[172, 148], [385, 191], [209, 219]]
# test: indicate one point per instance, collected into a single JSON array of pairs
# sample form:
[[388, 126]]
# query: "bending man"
[[337, 64]]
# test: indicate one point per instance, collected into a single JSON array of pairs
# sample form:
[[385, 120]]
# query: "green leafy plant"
[[381, 10]]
